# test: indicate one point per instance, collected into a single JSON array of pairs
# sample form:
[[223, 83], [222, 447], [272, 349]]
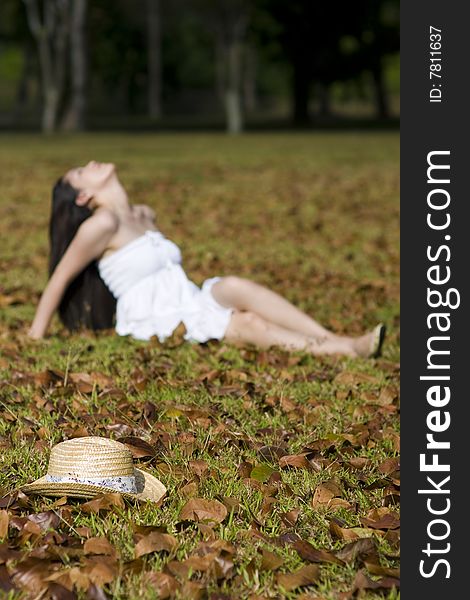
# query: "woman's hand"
[[34, 333]]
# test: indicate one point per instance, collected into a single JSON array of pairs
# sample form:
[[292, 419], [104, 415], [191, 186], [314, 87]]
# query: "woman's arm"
[[90, 241]]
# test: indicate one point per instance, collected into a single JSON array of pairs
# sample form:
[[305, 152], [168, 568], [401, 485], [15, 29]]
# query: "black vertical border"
[[427, 127]]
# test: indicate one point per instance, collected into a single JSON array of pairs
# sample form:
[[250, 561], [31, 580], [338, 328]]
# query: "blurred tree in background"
[[71, 64]]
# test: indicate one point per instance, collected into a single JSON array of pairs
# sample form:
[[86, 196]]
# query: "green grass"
[[315, 217]]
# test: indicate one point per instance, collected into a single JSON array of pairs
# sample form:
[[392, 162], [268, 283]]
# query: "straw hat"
[[87, 466]]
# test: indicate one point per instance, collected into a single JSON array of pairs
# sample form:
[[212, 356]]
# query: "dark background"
[[426, 127], [185, 64]]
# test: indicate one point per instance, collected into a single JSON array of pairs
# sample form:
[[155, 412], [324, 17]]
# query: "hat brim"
[[149, 488]]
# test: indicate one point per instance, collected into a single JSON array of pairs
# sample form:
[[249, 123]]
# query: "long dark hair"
[[87, 302]]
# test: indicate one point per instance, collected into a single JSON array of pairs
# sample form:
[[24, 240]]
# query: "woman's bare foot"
[[370, 344]]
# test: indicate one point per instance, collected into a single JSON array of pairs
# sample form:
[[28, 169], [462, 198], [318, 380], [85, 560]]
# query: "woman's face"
[[92, 177]]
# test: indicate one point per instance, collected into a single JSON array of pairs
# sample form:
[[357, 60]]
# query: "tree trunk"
[[75, 115], [154, 59], [381, 99], [51, 109], [220, 62], [301, 93], [23, 88], [233, 107], [324, 98], [51, 38], [249, 80]]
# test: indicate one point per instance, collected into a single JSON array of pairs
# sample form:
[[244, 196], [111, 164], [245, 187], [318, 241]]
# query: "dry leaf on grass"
[[387, 396], [188, 490], [103, 503], [381, 518], [289, 519], [351, 533], [363, 582], [304, 576], [389, 466], [198, 467], [353, 378], [307, 552], [101, 570], [30, 574], [155, 542], [71, 577], [270, 561], [139, 448], [59, 592], [377, 569], [324, 493], [163, 584], [295, 461], [99, 545], [6, 583], [194, 563], [358, 549], [200, 509], [4, 521], [271, 454], [95, 593]]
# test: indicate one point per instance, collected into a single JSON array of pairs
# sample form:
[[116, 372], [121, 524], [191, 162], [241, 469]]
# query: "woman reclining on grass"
[[107, 256]]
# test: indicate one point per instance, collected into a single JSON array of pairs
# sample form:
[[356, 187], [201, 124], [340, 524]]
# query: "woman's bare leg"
[[249, 327], [244, 294]]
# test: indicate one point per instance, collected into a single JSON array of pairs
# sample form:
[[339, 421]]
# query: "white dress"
[[154, 294]]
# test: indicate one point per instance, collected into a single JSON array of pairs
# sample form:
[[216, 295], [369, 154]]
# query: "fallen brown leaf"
[[188, 490], [99, 545], [358, 462], [103, 502], [200, 509], [85, 382], [271, 454], [4, 521], [350, 533], [304, 576], [101, 570], [6, 583], [377, 569], [155, 542], [324, 493], [95, 593], [162, 584], [361, 548], [363, 582], [289, 518], [70, 577], [387, 395], [307, 552], [389, 466], [139, 448], [194, 563], [59, 592], [270, 561], [198, 467], [30, 574], [297, 461], [353, 378], [381, 518]]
